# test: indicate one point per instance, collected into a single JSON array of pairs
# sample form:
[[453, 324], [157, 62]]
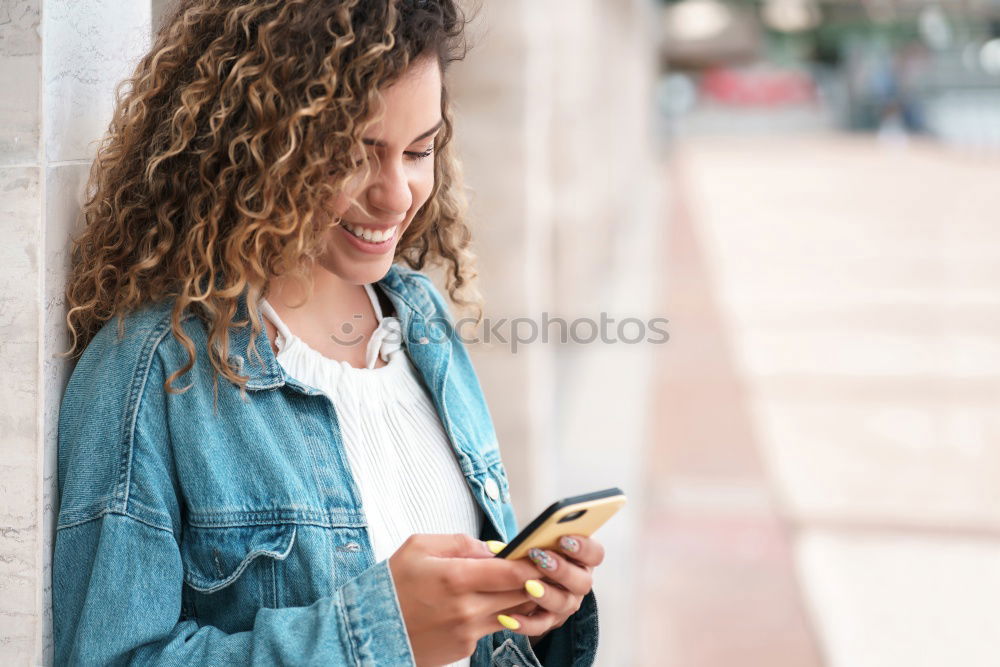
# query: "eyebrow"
[[376, 142]]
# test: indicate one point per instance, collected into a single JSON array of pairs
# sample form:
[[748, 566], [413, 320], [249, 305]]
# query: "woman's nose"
[[390, 192]]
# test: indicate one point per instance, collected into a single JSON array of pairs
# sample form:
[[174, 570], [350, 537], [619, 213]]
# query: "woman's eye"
[[421, 154]]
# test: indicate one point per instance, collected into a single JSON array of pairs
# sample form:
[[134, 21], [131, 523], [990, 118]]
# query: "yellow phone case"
[[578, 515]]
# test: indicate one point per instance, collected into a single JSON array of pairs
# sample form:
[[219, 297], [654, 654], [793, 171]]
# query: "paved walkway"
[[825, 479]]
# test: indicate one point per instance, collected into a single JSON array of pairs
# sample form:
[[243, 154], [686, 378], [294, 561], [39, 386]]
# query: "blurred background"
[[824, 477], [807, 192]]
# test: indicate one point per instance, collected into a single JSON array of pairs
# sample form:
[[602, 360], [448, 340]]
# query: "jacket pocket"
[[231, 572]]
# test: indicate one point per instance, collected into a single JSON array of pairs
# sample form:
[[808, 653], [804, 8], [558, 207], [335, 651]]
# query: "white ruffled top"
[[401, 458]]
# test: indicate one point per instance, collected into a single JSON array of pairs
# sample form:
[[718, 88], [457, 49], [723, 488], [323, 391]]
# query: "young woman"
[[273, 448]]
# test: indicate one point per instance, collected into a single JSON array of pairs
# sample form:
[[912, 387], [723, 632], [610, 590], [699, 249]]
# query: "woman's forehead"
[[411, 106]]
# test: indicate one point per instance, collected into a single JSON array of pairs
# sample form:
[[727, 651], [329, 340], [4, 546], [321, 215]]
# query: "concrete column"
[[59, 63]]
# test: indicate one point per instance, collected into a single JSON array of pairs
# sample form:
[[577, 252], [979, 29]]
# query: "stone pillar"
[[59, 63]]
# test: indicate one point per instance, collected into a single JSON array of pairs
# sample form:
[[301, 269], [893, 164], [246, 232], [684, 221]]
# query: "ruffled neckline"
[[386, 341]]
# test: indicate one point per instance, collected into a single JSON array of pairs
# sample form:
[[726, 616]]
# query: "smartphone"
[[577, 515]]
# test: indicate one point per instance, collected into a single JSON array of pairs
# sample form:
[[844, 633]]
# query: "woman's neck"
[[337, 318]]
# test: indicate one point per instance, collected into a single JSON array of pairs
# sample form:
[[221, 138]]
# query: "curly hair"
[[232, 132]]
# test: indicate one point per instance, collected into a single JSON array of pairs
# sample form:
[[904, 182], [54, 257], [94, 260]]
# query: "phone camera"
[[572, 516]]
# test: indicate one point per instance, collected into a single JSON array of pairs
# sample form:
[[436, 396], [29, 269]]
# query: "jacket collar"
[[410, 300]]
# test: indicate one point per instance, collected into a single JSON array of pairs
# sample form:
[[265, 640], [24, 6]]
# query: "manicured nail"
[[569, 544], [534, 588], [496, 546], [508, 622], [542, 559]]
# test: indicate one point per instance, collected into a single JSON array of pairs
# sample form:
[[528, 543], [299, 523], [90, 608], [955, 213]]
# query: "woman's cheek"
[[339, 206], [425, 185]]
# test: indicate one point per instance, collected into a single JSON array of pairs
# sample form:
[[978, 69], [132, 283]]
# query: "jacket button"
[[492, 489], [423, 340]]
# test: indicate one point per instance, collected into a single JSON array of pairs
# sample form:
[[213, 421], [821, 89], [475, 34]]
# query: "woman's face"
[[401, 179]]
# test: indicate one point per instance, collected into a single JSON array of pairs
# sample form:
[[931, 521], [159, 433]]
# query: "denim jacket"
[[189, 535]]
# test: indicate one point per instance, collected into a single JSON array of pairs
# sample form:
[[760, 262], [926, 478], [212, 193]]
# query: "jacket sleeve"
[[117, 600], [573, 644]]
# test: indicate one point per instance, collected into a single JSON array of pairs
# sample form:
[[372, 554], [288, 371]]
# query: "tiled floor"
[[826, 471]]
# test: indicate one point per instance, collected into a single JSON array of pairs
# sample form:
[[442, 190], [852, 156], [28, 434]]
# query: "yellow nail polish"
[[508, 622], [534, 588], [495, 546]]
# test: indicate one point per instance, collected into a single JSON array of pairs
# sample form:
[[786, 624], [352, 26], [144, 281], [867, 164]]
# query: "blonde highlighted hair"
[[225, 143]]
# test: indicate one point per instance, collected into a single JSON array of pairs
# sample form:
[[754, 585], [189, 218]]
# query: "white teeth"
[[376, 236]]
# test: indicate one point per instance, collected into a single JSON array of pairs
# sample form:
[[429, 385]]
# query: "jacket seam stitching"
[[274, 583], [150, 345], [398, 608], [349, 629], [415, 278], [112, 510], [268, 518]]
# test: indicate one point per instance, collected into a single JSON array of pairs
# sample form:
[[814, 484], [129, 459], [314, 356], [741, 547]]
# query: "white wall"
[[59, 63]]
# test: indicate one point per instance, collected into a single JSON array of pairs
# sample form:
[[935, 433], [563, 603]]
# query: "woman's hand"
[[451, 590], [567, 579]]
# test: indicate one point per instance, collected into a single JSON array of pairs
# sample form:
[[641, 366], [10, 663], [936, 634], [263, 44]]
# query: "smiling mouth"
[[370, 235]]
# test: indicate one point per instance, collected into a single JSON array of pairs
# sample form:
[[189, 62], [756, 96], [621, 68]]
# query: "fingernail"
[[534, 588], [508, 622], [542, 559], [495, 546], [569, 544]]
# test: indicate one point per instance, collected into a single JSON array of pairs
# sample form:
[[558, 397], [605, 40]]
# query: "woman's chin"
[[348, 266]]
